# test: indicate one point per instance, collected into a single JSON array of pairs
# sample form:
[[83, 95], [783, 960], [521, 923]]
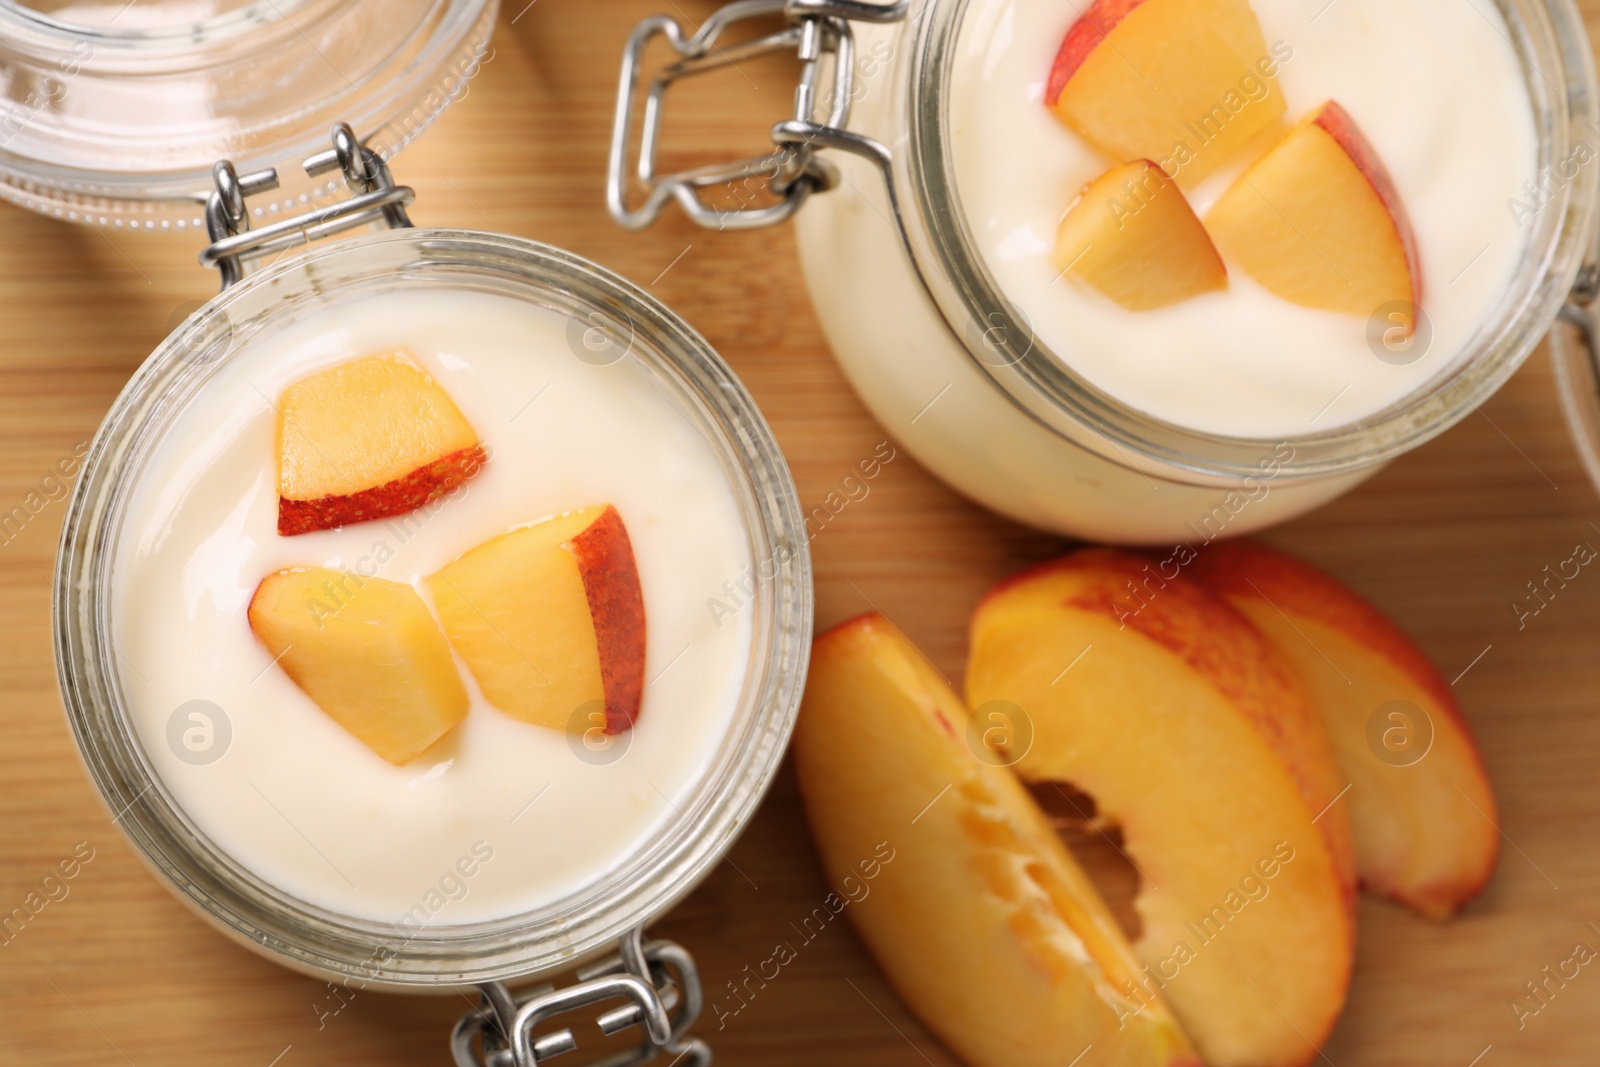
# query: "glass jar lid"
[[112, 113]]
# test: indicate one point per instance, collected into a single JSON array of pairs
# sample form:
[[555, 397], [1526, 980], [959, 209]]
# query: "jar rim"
[[1042, 384], [644, 882]]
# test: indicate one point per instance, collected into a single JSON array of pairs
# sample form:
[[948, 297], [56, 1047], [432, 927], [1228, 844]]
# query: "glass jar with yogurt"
[[932, 260], [498, 849], [511, 850]]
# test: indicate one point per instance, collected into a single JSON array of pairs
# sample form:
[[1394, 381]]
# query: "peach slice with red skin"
[[1423, 811], [1318, 221], [1193, 734], [1086, 34], [368, 439], [1132, 236], [1184, 82], [977, 914], [367, 651], [550, 620]]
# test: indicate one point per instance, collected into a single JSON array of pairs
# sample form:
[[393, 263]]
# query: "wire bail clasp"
[[816, 30], [374, 199], [657, 981]]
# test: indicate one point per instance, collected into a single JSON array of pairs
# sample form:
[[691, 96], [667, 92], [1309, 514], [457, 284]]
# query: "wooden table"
[[1444, 540]]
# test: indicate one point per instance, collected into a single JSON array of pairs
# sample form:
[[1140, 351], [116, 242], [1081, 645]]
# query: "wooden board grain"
[[1444, 540]]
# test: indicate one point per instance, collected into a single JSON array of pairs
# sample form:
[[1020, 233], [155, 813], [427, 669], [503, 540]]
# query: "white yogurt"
[[302, 803], [1436, 87]]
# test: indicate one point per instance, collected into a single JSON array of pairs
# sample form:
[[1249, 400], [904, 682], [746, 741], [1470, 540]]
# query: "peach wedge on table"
[[1424, 815], [979, 917], [1184, 82], [1190, 732], [1132, 236], [368, 439], [550, 620], [367, 652], [1319, 222]]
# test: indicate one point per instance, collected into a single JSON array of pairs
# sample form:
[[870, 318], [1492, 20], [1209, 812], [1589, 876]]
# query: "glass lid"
[[112, 113]]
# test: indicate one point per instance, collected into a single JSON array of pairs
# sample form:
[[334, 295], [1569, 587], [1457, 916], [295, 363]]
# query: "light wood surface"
[[1444, 540]]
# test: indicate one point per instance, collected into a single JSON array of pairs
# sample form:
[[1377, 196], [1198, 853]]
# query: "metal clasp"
[[816, 30], [374, 199], [657, 980]]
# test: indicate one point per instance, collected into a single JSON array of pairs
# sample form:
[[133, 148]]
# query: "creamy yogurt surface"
[[1437, 88], [500, 816]]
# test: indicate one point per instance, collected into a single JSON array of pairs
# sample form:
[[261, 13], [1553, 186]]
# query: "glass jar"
[[657, 977], [951, 366], [112, 113]]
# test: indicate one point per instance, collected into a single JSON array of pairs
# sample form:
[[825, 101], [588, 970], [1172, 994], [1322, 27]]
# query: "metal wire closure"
[[375, 198], [1579, 312], [817, 29], [1581, 298], [657, 979]]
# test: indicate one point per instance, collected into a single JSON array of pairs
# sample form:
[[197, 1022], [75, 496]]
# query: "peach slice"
[[366, 651], [1318, 221], [368, 439], [1192, 734], [978, 915], [550, 620], [1182, 82], [1425, 819], [1132, 235]]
